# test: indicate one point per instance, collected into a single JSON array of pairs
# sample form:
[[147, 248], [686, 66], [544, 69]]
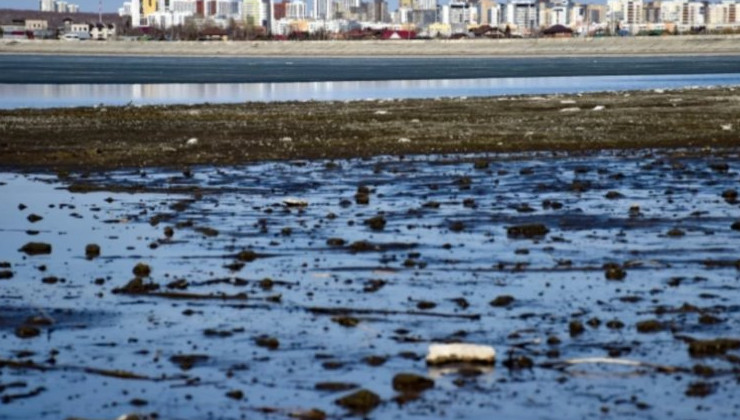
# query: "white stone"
[[404, 140], [567, 102], [572, 109], [381, 112], [295, 202], [192, 141], [286, 139], [726, 127], [460, 353], [599, 108]]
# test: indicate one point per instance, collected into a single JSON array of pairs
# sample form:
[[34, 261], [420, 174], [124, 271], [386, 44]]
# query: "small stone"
[[335, 242], [92, 251], [575, 328], [27, 331], [246, 256], [6, 274], [376, 223], [649, 326], [699, 389], [362, 401], [312, 414], [346, 321], [142, 270], [36, 248], [33, 218], [503, 300], [270, 343], [529, 231], [411, 383], [235, 394]]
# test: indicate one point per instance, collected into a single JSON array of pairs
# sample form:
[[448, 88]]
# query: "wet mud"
[[606, 281]]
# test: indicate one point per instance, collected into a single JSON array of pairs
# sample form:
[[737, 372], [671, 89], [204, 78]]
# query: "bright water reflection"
[[69, 95]]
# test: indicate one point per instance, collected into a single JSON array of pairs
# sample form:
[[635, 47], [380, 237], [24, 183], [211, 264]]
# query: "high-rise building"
[[522, 14], [46, 5]]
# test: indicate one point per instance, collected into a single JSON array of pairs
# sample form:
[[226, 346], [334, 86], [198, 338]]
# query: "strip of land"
[[132, 136], [663, 45]]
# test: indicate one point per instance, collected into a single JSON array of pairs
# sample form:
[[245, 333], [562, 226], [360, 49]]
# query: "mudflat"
[[208, 134], [663, 45]]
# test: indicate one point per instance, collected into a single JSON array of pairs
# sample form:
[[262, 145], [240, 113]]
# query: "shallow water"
[[445, 238], [70, 95]]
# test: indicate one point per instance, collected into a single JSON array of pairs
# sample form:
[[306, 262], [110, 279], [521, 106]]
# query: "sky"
[[109, 6]]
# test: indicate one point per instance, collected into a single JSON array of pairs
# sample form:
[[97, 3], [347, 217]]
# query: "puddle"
[[271, 278]]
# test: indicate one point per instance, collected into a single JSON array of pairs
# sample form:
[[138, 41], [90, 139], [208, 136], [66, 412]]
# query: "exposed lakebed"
[[276, 289]]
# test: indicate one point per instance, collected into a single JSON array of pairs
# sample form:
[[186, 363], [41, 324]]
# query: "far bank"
[[545, 47]]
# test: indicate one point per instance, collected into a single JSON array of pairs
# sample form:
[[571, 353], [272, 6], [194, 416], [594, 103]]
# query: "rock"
[[575, 328], [335, 242], [92, 251], [726, 127], [649, 326], [6, 274], [520, 362], [404, 140], [312, 414], [480, 164], [614, 272], [270, 343], [381, 112], [36, 248], [362, 401], [169, 232], [529, 231], [599, 108], [235, 394], [735, 226], [571, 109], [615, 324], [27, 331], [441, 354], [247, 256], [699, 389], [335, 386], [425, 305], [675, 233], [503, 300], [207, 231], [142, 270], [716, 347], [411, 383], [457, 226], [191, 141], [376, 223], [33, 218], [730, 196], [295, 202], [613, 195], [346, 321], [187, 361], [136, 286]]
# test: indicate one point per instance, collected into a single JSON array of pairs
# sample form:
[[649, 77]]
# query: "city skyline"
[[112, 6]]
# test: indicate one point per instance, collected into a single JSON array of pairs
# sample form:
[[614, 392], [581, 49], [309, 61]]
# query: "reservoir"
[[68, 81]]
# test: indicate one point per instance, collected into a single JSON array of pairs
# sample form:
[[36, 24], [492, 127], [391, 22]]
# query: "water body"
[[445, 243], [70, 95], [25, 69], [66, 81]]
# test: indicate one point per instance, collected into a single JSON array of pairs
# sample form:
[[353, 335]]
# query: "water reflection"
[[69, 95]]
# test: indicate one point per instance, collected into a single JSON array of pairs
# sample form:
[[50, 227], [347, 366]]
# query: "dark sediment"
[[232, 134]]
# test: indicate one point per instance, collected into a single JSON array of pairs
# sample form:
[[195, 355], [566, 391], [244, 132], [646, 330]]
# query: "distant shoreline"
[[541, 47]]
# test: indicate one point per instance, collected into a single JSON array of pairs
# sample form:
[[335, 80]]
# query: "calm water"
[[63, 81]]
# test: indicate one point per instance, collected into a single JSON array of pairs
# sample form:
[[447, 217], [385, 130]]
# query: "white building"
[[522, 14], [296, 9]]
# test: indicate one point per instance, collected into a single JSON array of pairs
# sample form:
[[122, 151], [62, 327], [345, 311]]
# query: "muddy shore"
[[666, 45], [176, 136]]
